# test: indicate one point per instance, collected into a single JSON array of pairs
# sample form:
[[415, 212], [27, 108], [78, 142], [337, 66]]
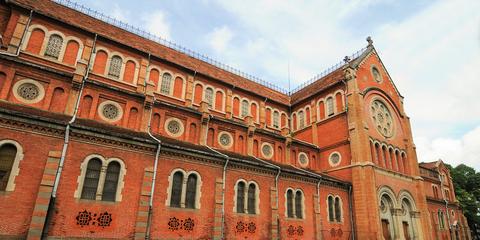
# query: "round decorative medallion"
[[303, 159], [267, 150], [110, 111], [376, 74], [334, 159], [382, 118], [28, 91], [174, 127], [225, 139]]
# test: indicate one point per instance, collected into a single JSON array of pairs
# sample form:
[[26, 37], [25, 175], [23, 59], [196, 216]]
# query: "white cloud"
[[219, 39], [120, 13], [157, 24], [453, 151]]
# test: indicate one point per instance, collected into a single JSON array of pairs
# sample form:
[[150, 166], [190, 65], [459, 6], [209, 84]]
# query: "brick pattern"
[[218, 220], [143, 208], [43, 196], [275, 217]]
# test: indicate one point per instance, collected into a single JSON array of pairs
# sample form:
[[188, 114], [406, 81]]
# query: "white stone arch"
[[80, 48], [109, 60], [135, 73], [342, 96], [308, 119], [206, 86], [16, 163], [293, 118], [172, 82], [147, 77], [184, 85], [253, 102], [29, 33], [327, 115], [294, 191], [45, 43], [184, 187], [83, 171], [195, 83], [245, 199], [386, 210], [279, 118], [386, 190], [287, 119], [121, 176], [340, 200], [409, 213]]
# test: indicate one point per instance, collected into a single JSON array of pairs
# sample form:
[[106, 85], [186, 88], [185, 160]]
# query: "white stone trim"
[[180, 131], [41, 91], [220, 143], [373, 76], [294, 191], [16, 164], [334, 214], [83, 170], [245, 198], [306, 156], [271, 147], [185, 174], [330, 159], [103, 117]]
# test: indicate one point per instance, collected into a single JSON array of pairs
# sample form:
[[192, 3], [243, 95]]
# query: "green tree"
[[467, 189]]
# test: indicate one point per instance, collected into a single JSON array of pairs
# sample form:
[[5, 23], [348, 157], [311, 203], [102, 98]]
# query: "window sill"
[[79, 200], [180, 209], [295, 219], [246, 214]]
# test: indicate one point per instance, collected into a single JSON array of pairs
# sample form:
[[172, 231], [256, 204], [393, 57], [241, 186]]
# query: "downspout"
[[155, 164], [224, 176], [352, 219], [446, 206], [22, 39], [66, 141]]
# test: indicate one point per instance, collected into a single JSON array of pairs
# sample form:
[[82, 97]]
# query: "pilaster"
[[218, 220], [18, 34], [228, 104], [262, 115], [317, 217], [274, 208], [143, 204], [189, 91], [250, 133], [314, 119], [43, 196], [142, 75], [204, 122]]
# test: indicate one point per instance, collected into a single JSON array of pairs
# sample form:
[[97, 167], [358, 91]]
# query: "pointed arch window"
[[54, 46], [338, 210], [191, 191], [209, 96], [115, 67], [166, 83], [92, 176], [8, 152], [331, 214], [177, 186], [251, 199], [290, 203], [334, 209], [111, 182], [240, 197], [298, 205]]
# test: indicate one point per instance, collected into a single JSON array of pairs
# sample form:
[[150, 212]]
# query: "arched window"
[[176, 195], [298, 205], [111, 182], [331, 213], [191, 191], [276, 119], [338, 210], [441, 220], [166, 83], [330, 109], [115, 67], [290, 203], [209, 96], [54, 46], [241, 197], [244, 109], [92, 176], [8, 152], [251, 199], [301, 119]]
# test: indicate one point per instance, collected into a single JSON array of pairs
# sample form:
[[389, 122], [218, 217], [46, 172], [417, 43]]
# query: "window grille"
[[90, 183], [298, 205], [166, 84], [191, 191], [8, 152], [290, 203], [251, 198], [209, 96], [241, 197], [301, 119], [115, 67], [177, 184], [244, 108], [111, 182], [330, 110], [276, 120], [54, 46]]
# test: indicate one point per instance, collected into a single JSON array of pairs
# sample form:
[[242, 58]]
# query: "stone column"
[[218, 221], [43, 196], [143, 204]]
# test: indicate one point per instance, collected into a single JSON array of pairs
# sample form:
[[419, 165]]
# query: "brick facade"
[[321, 163]]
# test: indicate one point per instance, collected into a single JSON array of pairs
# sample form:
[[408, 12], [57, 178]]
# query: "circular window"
[[303, 159], [376, 74], [28, 91], [334, 159], [110, 111], [267, 150], [382, 118], [225, 139], [174, 127]]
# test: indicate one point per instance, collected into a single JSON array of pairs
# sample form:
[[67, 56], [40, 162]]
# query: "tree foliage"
[[467, 189]]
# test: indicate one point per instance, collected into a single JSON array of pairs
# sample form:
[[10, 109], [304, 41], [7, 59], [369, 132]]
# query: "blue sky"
[[431, 49]]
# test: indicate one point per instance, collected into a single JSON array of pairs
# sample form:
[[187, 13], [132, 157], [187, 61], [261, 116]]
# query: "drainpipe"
[[224, 176], [66, 141], [352, 219], [446, 206], [21, 40]]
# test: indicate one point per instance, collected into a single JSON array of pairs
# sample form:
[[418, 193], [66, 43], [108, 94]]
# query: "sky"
[[430, 48]]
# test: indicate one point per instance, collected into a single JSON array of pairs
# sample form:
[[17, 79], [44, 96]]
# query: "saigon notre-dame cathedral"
[[109, 133]]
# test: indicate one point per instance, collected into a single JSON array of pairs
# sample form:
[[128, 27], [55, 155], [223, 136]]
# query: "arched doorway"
[[386, 217]]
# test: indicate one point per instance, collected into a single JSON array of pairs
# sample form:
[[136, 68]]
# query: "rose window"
[[110, 111], [382, 118], [173, 127], [267, 150], [28, 91], [225, 139]]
